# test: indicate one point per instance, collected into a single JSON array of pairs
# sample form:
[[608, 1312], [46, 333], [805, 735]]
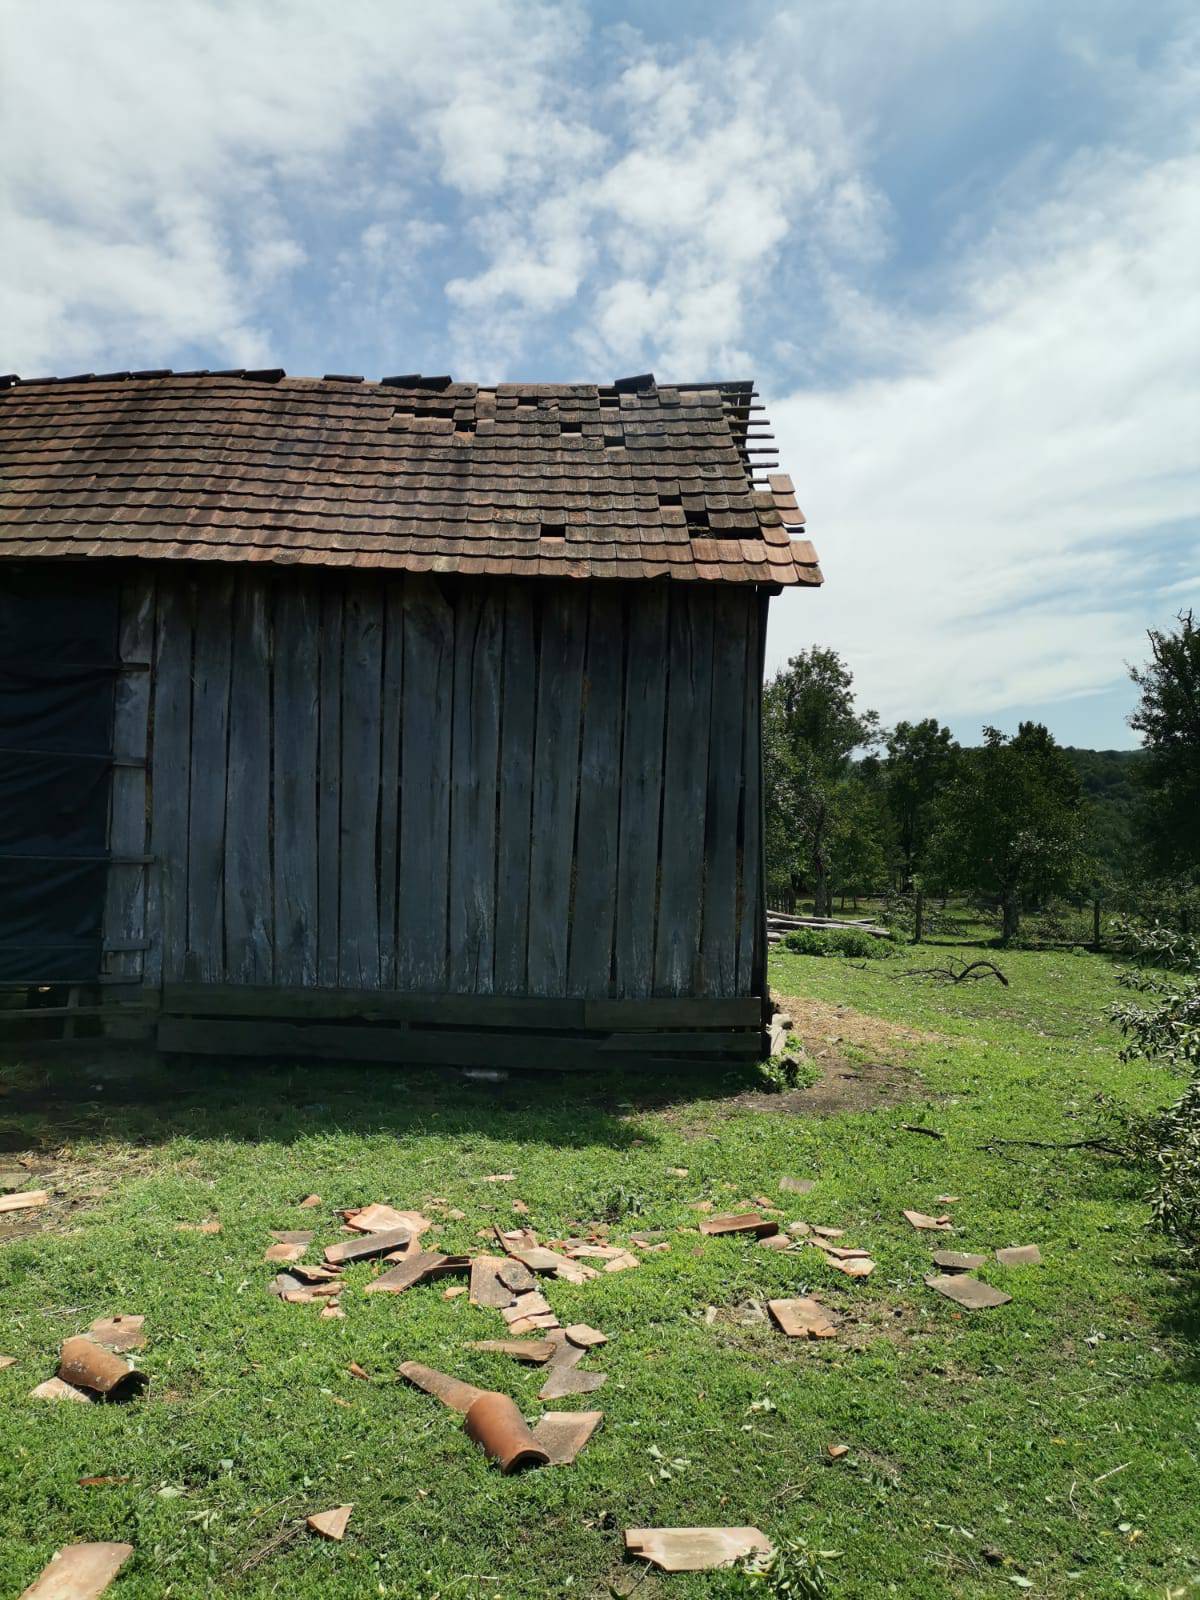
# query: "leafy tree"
[[1010, 825], [921, 761], [1168, 718], [858, 830], [810, 728]]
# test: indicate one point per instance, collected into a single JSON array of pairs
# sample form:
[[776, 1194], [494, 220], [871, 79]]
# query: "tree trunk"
[[1012, 919]]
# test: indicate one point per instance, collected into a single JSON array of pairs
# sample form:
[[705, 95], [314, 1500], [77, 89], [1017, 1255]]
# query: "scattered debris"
[[535, 1351], [87, 1365], [621, 1262], [104, 1482], [841, 1252], [829, 1233], [284, 1252], [310, 1202], [939, 1224], [56, 1389], [775, 1241], [579, 1333], [853, 1266], [211, 1226], [119, 1332], [1021, 1255], [835, 1452], [499, 1177], [945, 1199], [23, 1202], [797, 1185], [677, 1172], [972, 969], [799, 1230], [356, 1371], [332, 1309], [7, 1361], [919, 1127], [414, 1268], [515, 1275], [497, 1426], [803, 1319], [372, 1244], [383, 1219], [313, 1273], [521, 1209], [957, 1261], [486, 1288], [451, 1392], [970, 1292], [79, 1572], [453, 1292], [563, 1434], [745, 1222], [695, 1549], [330, 1524], [302, 1236]]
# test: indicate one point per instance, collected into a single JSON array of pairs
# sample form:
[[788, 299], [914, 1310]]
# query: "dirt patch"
[[821, 1026]]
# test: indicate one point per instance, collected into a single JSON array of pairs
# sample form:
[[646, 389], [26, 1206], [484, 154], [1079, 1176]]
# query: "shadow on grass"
[[150, 1102]]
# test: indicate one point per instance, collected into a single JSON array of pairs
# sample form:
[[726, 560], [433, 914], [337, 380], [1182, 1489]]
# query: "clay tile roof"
[[417, 473]]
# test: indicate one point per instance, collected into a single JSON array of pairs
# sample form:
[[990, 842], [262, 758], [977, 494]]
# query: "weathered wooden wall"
[[443, 786]]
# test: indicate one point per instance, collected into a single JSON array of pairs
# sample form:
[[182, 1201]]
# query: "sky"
[[956, 242]]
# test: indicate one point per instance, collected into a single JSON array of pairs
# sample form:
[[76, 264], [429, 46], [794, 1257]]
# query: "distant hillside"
[[1110, 781]]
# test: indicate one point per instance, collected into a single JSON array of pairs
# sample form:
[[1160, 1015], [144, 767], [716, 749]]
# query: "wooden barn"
[[408, 721]]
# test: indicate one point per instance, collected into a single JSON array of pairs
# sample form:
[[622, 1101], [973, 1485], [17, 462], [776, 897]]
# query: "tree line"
[[854, 808]]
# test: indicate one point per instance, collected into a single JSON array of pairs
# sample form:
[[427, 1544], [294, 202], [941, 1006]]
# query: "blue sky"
[[956, 243]]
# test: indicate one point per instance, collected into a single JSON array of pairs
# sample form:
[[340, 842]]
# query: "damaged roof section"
[[629, 480]]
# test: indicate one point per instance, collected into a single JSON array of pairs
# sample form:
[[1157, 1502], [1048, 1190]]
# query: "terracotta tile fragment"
[[356, 1371], [938, 1224], [211, 1226], [498, 1177], [25, 1201], [744, 1222], [835, 1452], [829, 1233], [284, 1252], [970, 1292], [310, 1203], [775, 1241], [331, 1309], [416, 1267], [453, 1292], [945, 1199], [855, 1267], [119, 1332], [87, 1365], [622, 1262], [587, 1338], [841, 1252], [957, 1261], [1020, 1255], [515, 1275], [694, 1549], [497, 1426], [803, 1319], [371, 1244], [486, 1288], [314, 1272], [535, 1351], [292, 1235], [79, 1572], [799, 1230], [450, 1391], [563, 1434], [382, 1219], [103, 1481], [330, 1524], [56, 1389], [538, 1259], [570, 1380], [531, 1304], [7, 1361]]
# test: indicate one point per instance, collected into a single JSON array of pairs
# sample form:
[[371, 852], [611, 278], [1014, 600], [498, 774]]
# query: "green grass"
[[1059, 1434]]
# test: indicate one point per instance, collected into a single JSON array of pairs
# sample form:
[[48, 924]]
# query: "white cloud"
[[992, 520]]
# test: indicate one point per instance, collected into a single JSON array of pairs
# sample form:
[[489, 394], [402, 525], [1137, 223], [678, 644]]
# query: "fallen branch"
[[915, 1127], [975, 969], [1057, 1144]]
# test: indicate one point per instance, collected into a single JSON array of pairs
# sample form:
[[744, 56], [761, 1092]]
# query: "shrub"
[[1166, 1030], [836, 942]]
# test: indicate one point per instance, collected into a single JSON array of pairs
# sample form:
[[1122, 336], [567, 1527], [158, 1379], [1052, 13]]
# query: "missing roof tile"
[[553, 530]]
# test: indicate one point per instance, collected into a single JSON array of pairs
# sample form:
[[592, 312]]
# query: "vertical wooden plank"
[[641, 791], [685, 783], [249, 956], [719, 927], [751, 905], [125, 893], [362, 685], [294, 759], [555, 786], [518, 704], [478, 637], [389, 779], [204, 958], [166, 898], [425, 775], [593, 914], [330, 781]]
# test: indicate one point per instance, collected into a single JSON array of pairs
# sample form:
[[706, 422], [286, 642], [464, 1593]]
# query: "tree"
[[1010, 825], [1168, 718], [921, 761], [810, 728]]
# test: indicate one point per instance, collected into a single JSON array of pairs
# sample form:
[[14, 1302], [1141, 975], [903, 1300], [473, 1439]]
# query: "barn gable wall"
[[460, 787]]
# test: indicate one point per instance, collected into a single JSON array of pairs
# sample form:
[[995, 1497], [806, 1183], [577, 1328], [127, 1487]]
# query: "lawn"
[[1051, 1445]]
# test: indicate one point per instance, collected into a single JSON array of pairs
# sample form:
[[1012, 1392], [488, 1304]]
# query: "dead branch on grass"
[[973, 970]]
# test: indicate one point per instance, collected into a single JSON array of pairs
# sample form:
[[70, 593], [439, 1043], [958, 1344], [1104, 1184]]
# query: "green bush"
[[837, 942]]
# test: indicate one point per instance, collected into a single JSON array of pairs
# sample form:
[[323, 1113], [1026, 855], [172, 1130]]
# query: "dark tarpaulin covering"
[[58, 656]]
